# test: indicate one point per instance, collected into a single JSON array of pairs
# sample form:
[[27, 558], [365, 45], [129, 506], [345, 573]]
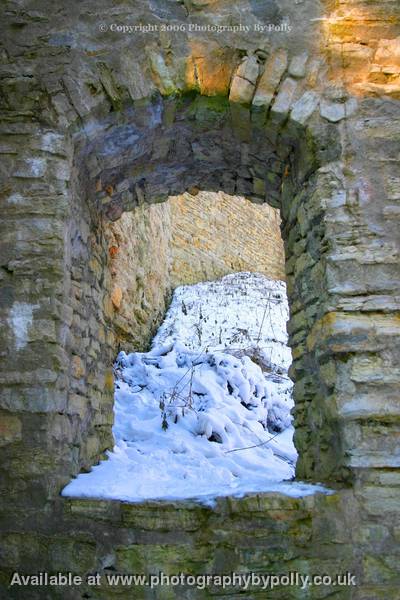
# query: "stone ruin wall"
[[61, 75], [190, 238], [138, 246], [217, 234]]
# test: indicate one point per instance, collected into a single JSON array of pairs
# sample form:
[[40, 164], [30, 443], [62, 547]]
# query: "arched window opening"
[[206, 410]]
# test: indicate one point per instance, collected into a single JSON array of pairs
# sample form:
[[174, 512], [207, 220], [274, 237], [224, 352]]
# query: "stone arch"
[[325, 149], [283, 155]]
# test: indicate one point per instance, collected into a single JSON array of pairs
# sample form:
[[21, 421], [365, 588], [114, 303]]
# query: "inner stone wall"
[[216, 234], [139, 259], [118, 278], [187, 239]]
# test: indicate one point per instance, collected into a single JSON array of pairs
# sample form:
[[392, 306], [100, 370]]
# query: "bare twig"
[[255, 445]]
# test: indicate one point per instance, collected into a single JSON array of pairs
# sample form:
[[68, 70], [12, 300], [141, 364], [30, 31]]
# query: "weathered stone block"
[[77, 367], [283, 101], [78, 405], [10, 429], [242, 91], [275, 67], [161, 73], [297, 66], [304, 107]]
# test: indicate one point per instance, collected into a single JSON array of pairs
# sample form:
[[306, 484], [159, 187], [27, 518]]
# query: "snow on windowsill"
[[206, 412]]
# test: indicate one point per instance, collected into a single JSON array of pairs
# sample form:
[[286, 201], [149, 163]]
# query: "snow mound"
[[242, 312], [206, 412]]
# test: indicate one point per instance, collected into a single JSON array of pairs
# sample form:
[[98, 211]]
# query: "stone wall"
[[290, 134], [217, 234], [139, 251], [187, 239], [96, 122], [262, 533]]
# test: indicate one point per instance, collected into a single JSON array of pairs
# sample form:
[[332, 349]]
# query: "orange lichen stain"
[[99, 187], [113, 251], [109, 190]]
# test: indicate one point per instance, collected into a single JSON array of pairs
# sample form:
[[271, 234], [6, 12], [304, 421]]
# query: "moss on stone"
[[206, 109]]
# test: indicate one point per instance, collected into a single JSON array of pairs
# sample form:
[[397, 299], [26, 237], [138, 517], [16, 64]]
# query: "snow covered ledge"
[[206, 412]]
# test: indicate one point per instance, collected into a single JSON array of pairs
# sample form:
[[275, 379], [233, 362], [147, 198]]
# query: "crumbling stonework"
[[96, 122]]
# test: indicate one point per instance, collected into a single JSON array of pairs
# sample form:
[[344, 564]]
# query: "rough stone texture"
[[139, 263], [265, 533], [244, 81], [217, 234], [270, 79], [364, 46], [189, 238], [97, 122]]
